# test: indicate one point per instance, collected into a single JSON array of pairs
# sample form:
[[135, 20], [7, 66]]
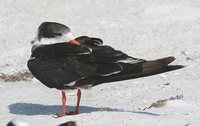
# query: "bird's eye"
[[32, 42]]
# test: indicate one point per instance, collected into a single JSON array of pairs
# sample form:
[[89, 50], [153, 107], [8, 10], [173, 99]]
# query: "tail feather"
[[158, 64], [148, 68]]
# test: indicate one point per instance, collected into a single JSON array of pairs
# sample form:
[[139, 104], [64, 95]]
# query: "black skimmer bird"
[[63, 62]]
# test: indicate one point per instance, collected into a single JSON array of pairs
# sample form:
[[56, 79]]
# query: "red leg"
[[63, 104], [64, 112], [78, 101], [77, 105]]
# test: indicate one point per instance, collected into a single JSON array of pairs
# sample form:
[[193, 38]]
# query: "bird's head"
[[51, 33]]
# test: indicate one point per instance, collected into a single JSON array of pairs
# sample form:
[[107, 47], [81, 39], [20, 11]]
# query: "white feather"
[[60, 39], [70, 84]]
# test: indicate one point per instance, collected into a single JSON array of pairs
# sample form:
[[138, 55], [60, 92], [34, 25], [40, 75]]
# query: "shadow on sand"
[[39, 109]]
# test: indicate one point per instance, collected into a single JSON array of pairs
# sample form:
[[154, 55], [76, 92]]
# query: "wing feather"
[[59, 64]]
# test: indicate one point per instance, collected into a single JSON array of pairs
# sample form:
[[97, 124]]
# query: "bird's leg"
[[78, 101], [77, 105], [64, 111], [63, 104]]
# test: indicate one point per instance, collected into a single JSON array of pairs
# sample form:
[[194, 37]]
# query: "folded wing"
[[62, 63]]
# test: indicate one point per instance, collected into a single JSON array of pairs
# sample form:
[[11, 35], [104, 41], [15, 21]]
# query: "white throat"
[[46, 41]]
